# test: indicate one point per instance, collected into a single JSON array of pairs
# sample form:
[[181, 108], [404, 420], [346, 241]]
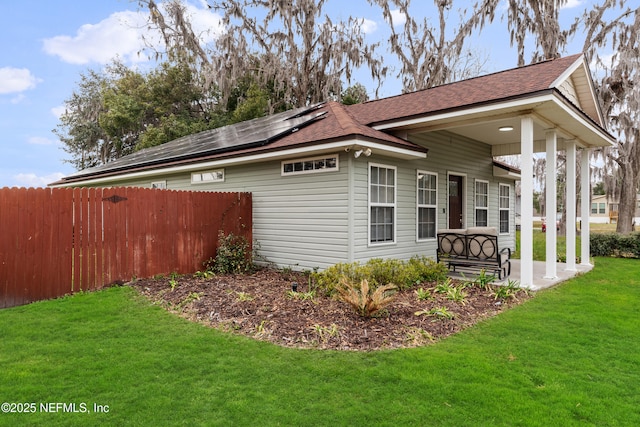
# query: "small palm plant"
[[365, 300]]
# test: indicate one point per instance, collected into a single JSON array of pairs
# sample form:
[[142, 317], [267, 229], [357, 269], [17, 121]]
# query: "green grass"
[[570, 356], [539, 246]]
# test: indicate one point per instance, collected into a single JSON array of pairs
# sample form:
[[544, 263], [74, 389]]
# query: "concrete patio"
[[539, 270], [539, 281]]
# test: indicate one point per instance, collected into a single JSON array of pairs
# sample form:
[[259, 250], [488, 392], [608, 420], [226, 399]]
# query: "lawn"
[[539, 246], [570, 356]]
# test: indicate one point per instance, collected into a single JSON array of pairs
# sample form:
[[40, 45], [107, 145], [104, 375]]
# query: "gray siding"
[[319, 219], [448, 154], [299, 221]]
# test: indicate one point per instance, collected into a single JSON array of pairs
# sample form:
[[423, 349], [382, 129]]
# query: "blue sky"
[[46, 45]]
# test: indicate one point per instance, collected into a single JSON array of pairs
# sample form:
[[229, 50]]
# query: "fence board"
[[58, 241]]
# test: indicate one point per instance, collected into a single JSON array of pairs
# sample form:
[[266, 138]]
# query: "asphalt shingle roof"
[[492, 87], [333, 121]]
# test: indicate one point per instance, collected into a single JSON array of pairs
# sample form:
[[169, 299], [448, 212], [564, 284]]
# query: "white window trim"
[[500, 209], [394, 205], [309, 159], [418, 206], [202, 181], [161, 185], [475, 201]]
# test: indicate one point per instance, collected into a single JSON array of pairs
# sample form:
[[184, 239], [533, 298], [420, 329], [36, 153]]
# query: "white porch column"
[[526, 233], [551, 205], [585, 207], [571, 205]]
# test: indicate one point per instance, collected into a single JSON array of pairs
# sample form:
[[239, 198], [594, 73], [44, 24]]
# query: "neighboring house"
[[605, 210], [334, 183]]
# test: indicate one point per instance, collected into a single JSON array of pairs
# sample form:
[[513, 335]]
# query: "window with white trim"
[[505, 207], [482, 203], [207, 176], [427, 200], [382, 204], [159, 184], [310, 165]]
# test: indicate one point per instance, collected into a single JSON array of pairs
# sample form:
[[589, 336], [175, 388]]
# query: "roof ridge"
[[576, 55], [345, 119]]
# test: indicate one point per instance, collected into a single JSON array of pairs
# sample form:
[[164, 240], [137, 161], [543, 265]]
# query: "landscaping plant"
[[365, 300], [232, 257]]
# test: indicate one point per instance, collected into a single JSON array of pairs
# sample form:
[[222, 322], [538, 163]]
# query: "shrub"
[[617, 245], [379, 272], [365, 300], [233, 255]]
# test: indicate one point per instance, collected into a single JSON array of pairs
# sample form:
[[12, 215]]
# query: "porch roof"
[[558, 94]]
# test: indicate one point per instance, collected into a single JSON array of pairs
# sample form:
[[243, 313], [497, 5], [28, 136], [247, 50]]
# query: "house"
[[604, 210], [334, 183]]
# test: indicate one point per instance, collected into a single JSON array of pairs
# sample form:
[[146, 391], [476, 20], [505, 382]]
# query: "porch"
[[539, 270], [539, 281]]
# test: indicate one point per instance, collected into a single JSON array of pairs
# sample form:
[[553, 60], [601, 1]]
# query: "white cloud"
[[368, 26], [33, 180], [118, 35], [15, 80], [572, 3], [59, 110], [39, 140], [398, 17], [121, 35], [18, 99]]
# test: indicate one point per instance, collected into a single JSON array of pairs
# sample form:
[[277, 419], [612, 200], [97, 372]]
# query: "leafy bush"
[[616, 245], [379, 272], [365, 300], [233, 255]]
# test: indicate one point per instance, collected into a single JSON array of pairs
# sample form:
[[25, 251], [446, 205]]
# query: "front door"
[[456, 195]]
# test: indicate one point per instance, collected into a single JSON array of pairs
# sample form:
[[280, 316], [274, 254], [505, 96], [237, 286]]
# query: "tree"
[[355, 94], [304, 54], [619, 91], [115, 112], [598, 189], [539, 18], [78, 130], [616, 90], [427, 57]]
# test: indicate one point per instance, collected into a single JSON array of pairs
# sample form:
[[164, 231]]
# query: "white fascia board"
[[502, 173], [580, 63], [458, 114], [377, 148], [584, 122], [568, 72]]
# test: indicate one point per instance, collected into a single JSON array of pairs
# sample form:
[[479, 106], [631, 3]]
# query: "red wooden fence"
[[56, 241]]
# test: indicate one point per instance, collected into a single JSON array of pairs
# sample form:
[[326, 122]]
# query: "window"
[[601, 208], [310, 165], [208, 176], [382, 203], [482, 203], [505, 203], [594, 208], [159, 184], [427, 199]]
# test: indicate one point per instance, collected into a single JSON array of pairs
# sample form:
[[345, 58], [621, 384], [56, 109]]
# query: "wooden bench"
[[474, 249]]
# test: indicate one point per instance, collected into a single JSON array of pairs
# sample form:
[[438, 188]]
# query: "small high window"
[[208, 176], [310, 165]]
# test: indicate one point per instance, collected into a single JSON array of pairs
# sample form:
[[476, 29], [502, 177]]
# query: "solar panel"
[[247, 134]]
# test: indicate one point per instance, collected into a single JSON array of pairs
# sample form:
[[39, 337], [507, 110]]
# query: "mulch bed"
[[261, 305]]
